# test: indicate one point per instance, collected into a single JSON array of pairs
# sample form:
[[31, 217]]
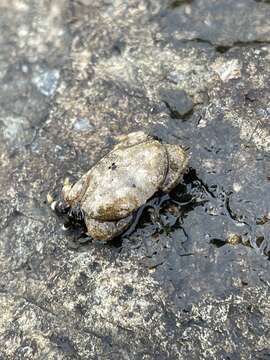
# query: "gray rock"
[[15, 129], [82, 124], [228, 23], [46, 81], [177, 101], [168, 289]]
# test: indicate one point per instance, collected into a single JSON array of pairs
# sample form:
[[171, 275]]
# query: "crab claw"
[[50, 198], [53, 205], [67, 181], [51, 201]]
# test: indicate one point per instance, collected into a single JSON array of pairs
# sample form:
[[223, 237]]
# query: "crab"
[[109, 194]]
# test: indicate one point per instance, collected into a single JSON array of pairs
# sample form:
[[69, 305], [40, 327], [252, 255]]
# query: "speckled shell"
[[106, 230], [124, 179]]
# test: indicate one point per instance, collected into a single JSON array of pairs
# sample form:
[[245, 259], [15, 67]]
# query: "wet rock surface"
[[191, 278]]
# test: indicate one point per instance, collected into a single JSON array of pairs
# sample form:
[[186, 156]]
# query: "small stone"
[[46, 81], [217, 242], [234, 239], [177, 101], [25, 68], [15, 130], [263, 220], [227, 70], [82, 124], [251, 95], [237, 187], [175, 77]]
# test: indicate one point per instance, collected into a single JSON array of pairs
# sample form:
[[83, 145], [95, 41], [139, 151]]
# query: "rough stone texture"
[[178, 102], [75, 74]]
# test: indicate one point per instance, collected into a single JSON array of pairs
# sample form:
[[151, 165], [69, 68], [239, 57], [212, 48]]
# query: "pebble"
[[177, 101], [234, 239], [46, 81], [82, 124]]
